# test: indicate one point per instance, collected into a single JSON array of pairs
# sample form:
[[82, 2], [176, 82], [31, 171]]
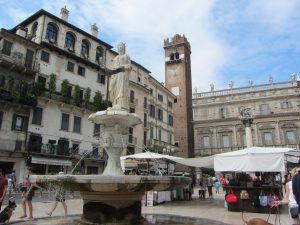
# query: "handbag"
[[244, 194], [273, 200], [263, 199], [231, 197]]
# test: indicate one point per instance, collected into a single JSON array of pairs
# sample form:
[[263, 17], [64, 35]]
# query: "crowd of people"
[[207, 183]]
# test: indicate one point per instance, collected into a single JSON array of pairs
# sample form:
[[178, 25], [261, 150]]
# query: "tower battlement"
[[176, 40]]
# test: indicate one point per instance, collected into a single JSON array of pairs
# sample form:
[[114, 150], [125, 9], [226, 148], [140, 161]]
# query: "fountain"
[[113, 198]]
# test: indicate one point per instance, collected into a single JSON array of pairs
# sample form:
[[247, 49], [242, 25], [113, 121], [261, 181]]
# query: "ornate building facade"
[[51, 80], [276, 117]]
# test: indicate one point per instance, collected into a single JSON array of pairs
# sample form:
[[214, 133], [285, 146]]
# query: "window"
[[131, 96], [206, 142], [70, 41], [85, 48], [7, 46], [286, 105], [33, 30], [264, 109], [151, 91], [77, 124], [29, 59], [41, 82], [96, 130], [101, 78], [268, 138], [63, 147], [170, 138], [176, 55], [170, 104], [145, 103], [170, 120], [70, 91], [160, 114], [145, 138], [65, 122], [95, 152], [159, 134], [18, 146], [91, 170], [20, 123], [99, 55], [2, 81], [70, 67], [160, 97], [45, 56], [75, 148], [131, 110], [172, 56], [152, 111], [151, 132], [1, 118], [145, 119], [290, 137], [37, 116], [81, 71], [130, 138], [139, 79], [224, 113], [51, 33], [225, 141]]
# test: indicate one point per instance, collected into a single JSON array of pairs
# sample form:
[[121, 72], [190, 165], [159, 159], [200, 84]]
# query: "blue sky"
[[236, 40]]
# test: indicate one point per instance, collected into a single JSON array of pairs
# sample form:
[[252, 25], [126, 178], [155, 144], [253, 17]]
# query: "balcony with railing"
[[49, 149], [16, 61]]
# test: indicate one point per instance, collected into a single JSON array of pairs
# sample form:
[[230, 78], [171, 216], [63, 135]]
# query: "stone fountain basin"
[[104, 183]]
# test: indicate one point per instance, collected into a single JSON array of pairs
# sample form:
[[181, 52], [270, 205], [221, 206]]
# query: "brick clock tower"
[[178, 80]]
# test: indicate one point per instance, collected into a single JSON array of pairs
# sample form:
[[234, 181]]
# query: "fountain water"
[[112, 198]]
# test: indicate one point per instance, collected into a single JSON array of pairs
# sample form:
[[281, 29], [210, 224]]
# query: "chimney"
[[64, 14], [21, 31], [94, 30]]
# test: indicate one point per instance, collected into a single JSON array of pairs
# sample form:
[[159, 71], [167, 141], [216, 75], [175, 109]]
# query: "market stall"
[[254, 193]]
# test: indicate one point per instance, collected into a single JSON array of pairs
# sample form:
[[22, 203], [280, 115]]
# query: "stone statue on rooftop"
[[212, 87], [270, 79], [231, 84], [250, 83], [293, 77], [119, 79]]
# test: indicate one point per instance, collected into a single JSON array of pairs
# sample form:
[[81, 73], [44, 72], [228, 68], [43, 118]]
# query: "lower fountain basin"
[[110, 199], [150, 220]]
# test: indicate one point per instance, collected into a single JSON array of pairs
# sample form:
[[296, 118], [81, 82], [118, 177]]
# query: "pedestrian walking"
[[209, 186], [217, 185], [3, 186], [289, 198], [27, 196], [60, 196]]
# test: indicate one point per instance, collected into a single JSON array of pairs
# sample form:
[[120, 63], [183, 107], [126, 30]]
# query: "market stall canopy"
[[264, 159], [202, 162], [150, 155]]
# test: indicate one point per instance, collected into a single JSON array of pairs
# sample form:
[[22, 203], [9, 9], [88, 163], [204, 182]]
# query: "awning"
[[47, 161]]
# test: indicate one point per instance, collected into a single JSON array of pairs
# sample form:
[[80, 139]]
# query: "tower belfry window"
[[172, 56], [176, 55]]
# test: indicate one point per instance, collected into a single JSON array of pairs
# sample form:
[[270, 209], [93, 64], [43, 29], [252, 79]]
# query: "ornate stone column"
[[247, 119]]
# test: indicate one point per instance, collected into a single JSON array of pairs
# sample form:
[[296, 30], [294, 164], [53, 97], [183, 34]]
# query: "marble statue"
[[250, 83], [293, 77], [119, 79]]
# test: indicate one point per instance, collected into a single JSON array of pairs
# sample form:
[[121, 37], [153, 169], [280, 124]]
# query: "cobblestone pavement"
[[209, 208]]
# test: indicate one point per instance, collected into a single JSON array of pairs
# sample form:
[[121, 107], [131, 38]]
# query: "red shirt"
[[3, 183]]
